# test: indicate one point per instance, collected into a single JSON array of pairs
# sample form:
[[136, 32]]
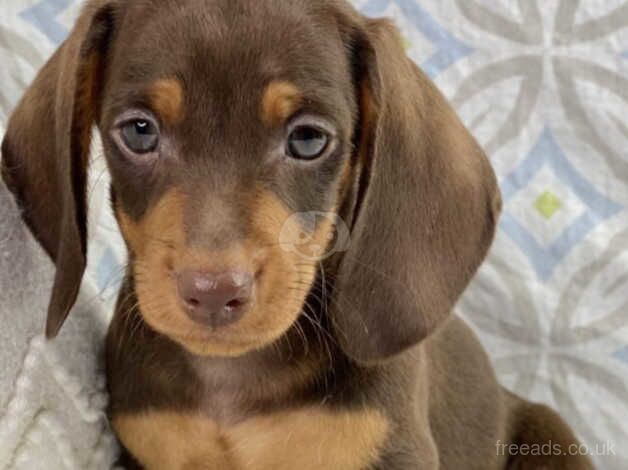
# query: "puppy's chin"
[[222, 347], [223, 344], [206, 349], [227, 345]]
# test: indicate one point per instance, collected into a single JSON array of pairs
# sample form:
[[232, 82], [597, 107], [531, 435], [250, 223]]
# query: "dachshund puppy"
[[302, 210]]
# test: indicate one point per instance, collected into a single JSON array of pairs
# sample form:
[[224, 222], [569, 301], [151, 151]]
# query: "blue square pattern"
[[547, 152], [622, 354], [108, 272], [43, 16]]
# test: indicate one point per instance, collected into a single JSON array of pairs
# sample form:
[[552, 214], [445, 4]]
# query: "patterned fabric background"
[[543, 84]]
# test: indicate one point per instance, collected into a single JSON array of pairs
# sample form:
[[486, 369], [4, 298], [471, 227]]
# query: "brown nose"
[[215, 299]]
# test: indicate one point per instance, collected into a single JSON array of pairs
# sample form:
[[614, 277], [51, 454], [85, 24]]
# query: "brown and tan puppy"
[[243, 137]]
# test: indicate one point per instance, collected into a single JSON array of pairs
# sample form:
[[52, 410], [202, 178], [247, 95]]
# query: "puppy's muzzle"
[[215, 299]]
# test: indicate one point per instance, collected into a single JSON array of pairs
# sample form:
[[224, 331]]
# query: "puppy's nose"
[[215, 299]]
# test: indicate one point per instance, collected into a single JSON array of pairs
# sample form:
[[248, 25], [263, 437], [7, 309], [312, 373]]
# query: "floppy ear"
[[45, 153], [427, 211]]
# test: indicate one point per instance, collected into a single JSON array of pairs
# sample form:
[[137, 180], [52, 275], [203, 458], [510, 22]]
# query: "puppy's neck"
[[292, 370]]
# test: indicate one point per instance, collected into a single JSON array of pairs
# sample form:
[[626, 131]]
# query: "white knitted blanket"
[[52, 396]]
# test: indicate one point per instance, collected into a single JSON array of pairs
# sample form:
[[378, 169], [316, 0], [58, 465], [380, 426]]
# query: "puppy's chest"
[[305, 439]]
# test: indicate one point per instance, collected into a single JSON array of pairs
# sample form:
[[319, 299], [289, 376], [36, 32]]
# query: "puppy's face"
[[226, 125], [231, 128]]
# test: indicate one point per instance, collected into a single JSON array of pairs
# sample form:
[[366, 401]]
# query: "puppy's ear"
[[427, 211], [45, 152]]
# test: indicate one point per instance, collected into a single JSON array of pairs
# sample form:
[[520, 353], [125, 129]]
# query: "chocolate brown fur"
[[348, 362]]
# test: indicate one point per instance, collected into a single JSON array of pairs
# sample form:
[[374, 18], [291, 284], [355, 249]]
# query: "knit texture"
[[52, 393]]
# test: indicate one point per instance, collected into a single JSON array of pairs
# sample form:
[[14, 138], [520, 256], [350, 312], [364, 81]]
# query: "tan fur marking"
[[283, 268], [166, 97], [170, 441], [163, 221], [305, 439], [280, 100], [274, 225]]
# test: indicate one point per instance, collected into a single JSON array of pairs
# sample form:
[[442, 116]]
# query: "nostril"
[[193, 302], [235, 303]]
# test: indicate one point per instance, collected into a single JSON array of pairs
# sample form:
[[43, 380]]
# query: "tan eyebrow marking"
[[166, 98], [279, 101]]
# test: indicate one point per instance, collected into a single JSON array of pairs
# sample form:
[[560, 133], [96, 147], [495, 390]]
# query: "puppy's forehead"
[[226, 52]]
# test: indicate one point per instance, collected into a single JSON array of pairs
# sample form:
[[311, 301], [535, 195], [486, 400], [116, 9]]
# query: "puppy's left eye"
[[307, 142], [140, 136]]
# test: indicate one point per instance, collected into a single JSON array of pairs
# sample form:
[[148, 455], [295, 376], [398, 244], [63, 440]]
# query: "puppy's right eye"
[[140, 136], [307, 143]]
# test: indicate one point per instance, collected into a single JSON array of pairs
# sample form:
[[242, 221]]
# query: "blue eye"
[[307, 143], [140, 136]]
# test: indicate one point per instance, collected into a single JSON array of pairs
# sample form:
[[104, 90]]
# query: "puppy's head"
[[246, 142]]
